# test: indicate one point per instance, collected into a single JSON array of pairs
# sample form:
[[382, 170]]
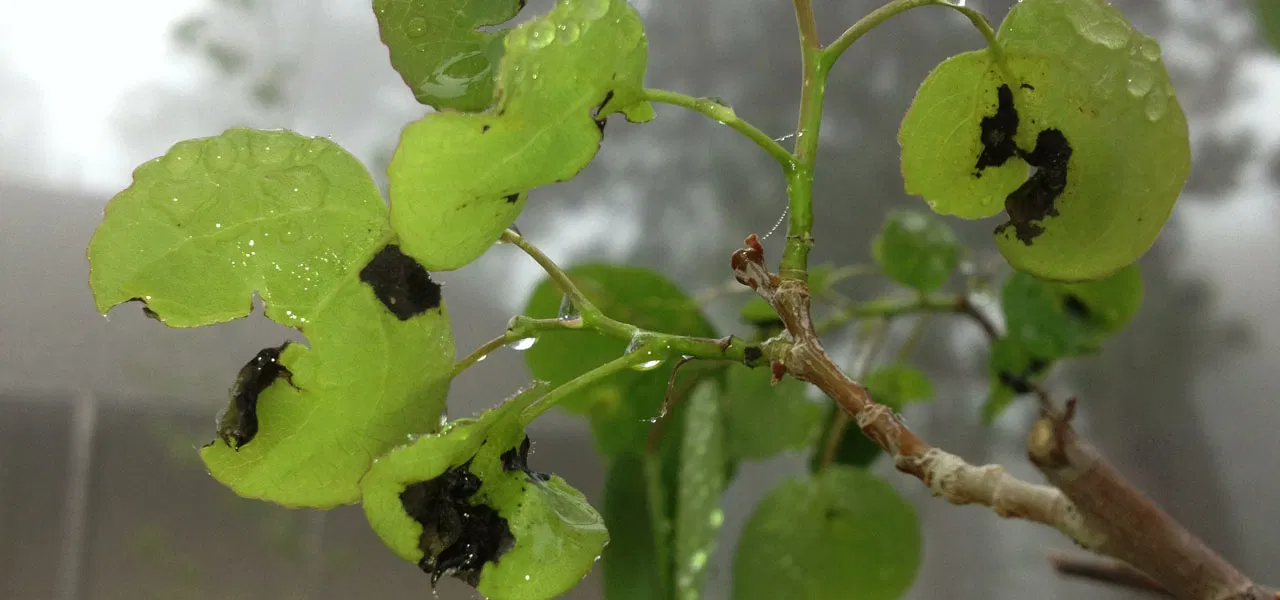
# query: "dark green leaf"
[[1052, 320], [702, 479], [630, 561], [765, 419], [533, 535], [439, 50], [841, 534], [916, 249], [897, 385], [1268, 16], [620, 406]]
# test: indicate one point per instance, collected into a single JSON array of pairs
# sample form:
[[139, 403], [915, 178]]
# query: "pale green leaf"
[[296, 220], [439, 50], [459, 179], [468, 489], [1093, 109], [839, 534], [916, 249]]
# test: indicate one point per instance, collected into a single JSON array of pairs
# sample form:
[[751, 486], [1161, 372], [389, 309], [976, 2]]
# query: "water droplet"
[[1141, 78], [1149, 49], [526, 577], [699, 560], [649, 365], [524, 344], [220, 154], [482, 358], [593, 9], [568, 311], [569, 32], [290, 232], [1157, 104], [416, 27], [518, 39], [1106, 28], [541, 33], [453, 78], [269, 149]]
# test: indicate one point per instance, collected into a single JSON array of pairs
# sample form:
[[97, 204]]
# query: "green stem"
[[626, 361], [888, 308], [479, 354], [585, 307], [795, 255], [724, 115]]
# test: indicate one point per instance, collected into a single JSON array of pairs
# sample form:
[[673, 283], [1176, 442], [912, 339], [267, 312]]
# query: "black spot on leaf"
[[402, 285], [998, 131], [484, 129], [517, 459], [458, 537], [752, 355], [238, 423], [1075, 307], [1027, 86], [1036, 198], [512, 198]]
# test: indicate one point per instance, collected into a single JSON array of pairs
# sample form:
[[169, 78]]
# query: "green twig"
[[862, 364], [725, 115], [889, 308]]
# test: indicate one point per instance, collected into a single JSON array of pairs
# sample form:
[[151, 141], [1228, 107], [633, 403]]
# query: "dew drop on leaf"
[[416, 27], [221, 154], [649, 365], [592, 10], [569, 32], [1141, 78], [1157, 104], [542, 33], [524, 344]]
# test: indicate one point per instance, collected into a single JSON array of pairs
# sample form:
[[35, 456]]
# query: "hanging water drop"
[[524, 344], [568, 310], [649, 365]]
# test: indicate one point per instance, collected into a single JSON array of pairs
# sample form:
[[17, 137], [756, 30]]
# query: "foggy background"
[[102, 495]]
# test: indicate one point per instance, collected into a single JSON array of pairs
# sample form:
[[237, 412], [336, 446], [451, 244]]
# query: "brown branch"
[[1091, 503], [1137, 531], [1105, 570]]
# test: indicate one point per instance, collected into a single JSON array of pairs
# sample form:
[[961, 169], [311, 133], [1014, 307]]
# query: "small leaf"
[[298, 221], [897, 385], [459, 179], [620, 406], [1052, 320], [1000, 399], [1093, 110], [758, 312], [1268, 17], [630, 561], [464, 502], [764, 419], [842, 533], [702, 479], [916, 249], [439, 50], [1013, 368]]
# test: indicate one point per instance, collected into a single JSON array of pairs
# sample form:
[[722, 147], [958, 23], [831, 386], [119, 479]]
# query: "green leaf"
[[459, 179], [1092, 109], [620, 406], [1052, 320], [758, 312], [916, 249], [764, 419], [468, 489], [439, 50], [897, 385], [854, 450], [844, 533], [296, 220], [702, 479], [1268, 16], [1001, 398], [630, 561]]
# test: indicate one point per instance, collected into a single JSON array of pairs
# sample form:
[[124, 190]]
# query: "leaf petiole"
[[724, 115]]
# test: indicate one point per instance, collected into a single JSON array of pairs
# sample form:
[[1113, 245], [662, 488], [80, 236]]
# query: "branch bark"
[[1091, 503]]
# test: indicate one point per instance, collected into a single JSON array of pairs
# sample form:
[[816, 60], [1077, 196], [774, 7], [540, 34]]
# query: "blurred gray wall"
[[102, 496]]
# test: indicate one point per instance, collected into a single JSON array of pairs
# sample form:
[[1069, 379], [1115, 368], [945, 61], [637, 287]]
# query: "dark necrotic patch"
[[402, 285], [512, 198], [458, 537], [484, 129], [238, 423], [1019, 385], [998, 131], [517, 459], [1035, 200]]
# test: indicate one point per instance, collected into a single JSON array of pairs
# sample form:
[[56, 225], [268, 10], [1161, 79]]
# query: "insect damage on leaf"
[[1034, 200], [998, 131], [238, 423], [517, 459], [458, 537], [402, 285]]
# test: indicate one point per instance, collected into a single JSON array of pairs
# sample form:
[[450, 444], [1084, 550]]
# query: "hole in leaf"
[[458, 537], [238, 423], [402, 285]]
